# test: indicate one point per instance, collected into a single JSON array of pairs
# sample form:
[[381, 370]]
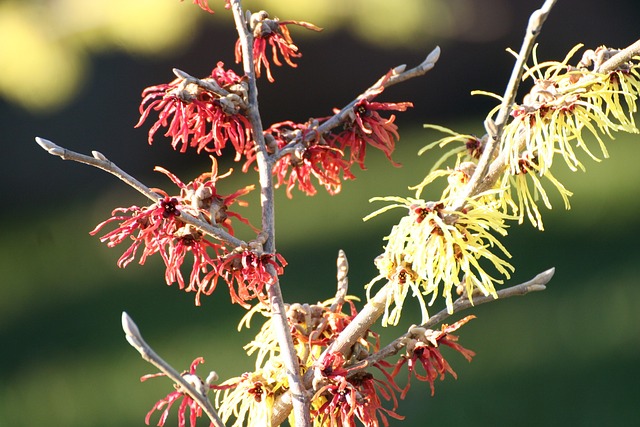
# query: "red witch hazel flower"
[[204, 5], [422, 347], [158, 229], [195, 411], [203, 114], [304, 159], [250, 270], [275, 33], [346, 397], [366, 126]]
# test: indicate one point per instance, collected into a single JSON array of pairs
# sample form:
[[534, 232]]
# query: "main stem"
[[300, 400]]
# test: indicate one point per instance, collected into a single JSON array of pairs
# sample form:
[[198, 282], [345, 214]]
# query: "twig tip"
[[181, 74], [434, 55], [129, 327], [49, 146]]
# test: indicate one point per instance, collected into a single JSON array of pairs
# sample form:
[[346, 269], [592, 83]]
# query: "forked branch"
[[101, 162], [132, 333]]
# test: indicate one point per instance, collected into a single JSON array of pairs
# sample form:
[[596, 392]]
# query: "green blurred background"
[[72, 71]]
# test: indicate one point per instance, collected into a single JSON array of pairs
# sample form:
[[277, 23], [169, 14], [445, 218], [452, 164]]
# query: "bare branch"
[[100, 161], [538, 283], [132, 333], [398, 75], [620, 58], [494, 129], [301, 402]]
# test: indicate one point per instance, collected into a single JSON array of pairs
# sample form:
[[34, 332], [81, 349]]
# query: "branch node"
[[98, 155]]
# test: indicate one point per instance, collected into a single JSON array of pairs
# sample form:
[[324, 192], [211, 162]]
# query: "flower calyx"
[[595, 59]]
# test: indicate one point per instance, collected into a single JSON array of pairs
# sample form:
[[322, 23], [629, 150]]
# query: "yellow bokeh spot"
[[152, 26], [45, 47], [36, 71]]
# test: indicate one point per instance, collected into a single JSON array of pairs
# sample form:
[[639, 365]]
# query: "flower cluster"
[[313, 327], [565, 108], [340, 395], [303, 151], [434, 250], [451, 244], [250, 271], [204, 114], [308, 155], [423, 349], [343, 397], [195, 411], [366, 127], [271, 32], [250, 398], [159, 229]]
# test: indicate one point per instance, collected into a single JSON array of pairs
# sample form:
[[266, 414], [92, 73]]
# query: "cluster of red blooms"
[[346, 394], [423, 349], [208, 113], [274, 33], [198, 117], [309, 156], [347, 397], [158, 229], [195, 411]]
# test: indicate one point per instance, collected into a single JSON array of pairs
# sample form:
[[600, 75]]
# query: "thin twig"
[[343, 281], [132, 333], [101, 162], [301, 401], [538, 283], [495, 129], [399, 75], [620, 58]]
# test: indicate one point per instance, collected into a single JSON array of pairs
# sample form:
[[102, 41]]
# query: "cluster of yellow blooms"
[[250, 399], [440, 246]]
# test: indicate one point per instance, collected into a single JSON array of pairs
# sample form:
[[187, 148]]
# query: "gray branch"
[[101, 162], [132, 333]]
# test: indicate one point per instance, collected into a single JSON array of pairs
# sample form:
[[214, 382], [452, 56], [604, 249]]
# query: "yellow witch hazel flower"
[[250, 398], [526, 187], [564, 102], [440, 245], [433, 250], [265, 344]]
